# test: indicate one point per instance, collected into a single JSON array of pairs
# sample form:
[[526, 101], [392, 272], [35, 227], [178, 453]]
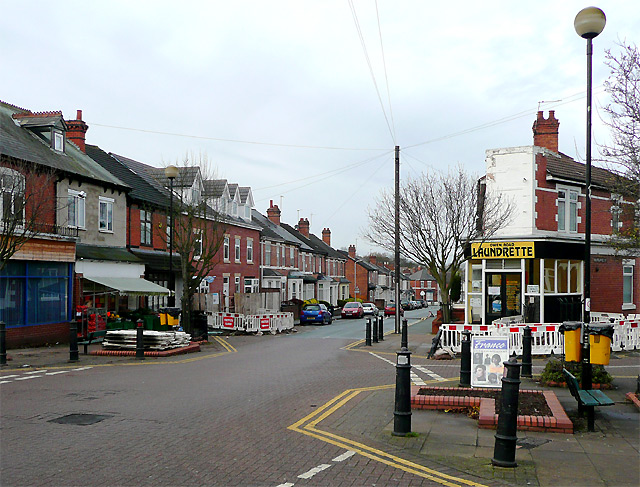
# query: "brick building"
[[534, 266]]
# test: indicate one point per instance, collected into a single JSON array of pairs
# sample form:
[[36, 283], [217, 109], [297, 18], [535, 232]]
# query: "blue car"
[[315, 313]]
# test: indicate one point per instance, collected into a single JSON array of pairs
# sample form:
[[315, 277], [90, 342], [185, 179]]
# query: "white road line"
[[344, 456], [82, 368], [5, 381], [8, 376], [27, 377], [416, 380], [313, 471], [288, 484], [382, 358], [34, 372], [57, 372], [430, 373]]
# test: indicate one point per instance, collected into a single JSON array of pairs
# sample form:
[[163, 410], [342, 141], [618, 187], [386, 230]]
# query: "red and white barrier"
[[266, 323]]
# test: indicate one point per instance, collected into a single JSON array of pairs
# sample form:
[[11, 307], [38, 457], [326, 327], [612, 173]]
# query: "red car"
[[352, 309], [390, 310]]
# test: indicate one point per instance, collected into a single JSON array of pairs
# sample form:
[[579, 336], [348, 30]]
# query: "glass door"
[[504, 295]]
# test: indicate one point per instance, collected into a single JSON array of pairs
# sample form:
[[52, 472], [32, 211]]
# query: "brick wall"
[[37, 335], [47, 250], [606, 284]]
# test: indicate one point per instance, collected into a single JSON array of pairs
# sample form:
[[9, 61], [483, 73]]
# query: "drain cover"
[[529, 443], [81, 419]]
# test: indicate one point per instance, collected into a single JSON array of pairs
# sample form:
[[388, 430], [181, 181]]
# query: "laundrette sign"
[[502, 250]]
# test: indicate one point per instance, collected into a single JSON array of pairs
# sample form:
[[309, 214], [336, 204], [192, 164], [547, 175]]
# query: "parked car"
[[315, 313], [405, 305], [370, 309], [352, 309], [390, 310]]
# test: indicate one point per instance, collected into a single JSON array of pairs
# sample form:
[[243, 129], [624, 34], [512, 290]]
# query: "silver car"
[[370, 309]]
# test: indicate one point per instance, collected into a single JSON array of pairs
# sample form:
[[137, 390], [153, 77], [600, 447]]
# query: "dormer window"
[[58, 141]]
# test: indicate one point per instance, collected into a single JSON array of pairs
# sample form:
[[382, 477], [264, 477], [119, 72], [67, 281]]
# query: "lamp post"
[[171, 172], [588, 23]]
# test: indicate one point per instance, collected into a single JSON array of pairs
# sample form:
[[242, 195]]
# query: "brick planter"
[[559, 422]]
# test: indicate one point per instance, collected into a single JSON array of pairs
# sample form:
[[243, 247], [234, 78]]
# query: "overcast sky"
[[280, 95]]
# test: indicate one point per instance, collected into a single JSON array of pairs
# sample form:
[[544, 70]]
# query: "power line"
[[366, 56], [236, 141], [386, 78]]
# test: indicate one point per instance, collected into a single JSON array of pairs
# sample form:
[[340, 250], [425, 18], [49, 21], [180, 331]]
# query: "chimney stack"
[[545, 131], [326, 236], [76, 130], [273, 213], [373, 259], [303, 227], [352, 251]]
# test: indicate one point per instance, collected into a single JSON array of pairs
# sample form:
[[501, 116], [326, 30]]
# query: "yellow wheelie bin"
[[600, 336], [572, 346]]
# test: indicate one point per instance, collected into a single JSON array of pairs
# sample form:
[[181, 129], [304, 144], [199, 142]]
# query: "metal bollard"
[[73, 341], [374, 332], [139, 341], [504, 452], [465, 360], [3, 343], [381, 328], [367, 336], [527, 341], [402, 409], [404, 340]]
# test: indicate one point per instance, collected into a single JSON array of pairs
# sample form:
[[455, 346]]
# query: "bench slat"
[[601, 397], [587, 399]]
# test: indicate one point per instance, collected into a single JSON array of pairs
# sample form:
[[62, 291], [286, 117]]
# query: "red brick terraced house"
[[534, 266]]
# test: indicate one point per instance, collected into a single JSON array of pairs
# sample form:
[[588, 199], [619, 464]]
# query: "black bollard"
[[3, 343], [404, 340], [381, 328], [73, 341], [527, 341], [374, 332], [140, 341], [504, 452], [367, 336], [402, 410], [465, 360]]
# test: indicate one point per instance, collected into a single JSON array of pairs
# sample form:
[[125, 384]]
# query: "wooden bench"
[[586, 398], [92, 337]]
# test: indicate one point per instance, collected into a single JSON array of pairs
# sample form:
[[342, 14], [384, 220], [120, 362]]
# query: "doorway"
[[504, 295]]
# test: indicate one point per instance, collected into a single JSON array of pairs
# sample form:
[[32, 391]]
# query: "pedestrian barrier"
[[546, 338], [265, 323], [599, 317], [452, 334]]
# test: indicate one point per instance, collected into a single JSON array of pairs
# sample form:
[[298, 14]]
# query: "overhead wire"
[[386, 77], [366, 55]]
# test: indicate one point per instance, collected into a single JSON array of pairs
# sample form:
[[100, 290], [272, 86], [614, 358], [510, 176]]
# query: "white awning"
[[132, 286]]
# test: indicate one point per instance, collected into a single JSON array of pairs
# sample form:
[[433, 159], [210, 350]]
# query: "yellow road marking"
[[311, 429]]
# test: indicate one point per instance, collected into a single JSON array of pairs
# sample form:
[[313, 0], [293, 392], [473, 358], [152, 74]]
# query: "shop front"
[[533, 281]]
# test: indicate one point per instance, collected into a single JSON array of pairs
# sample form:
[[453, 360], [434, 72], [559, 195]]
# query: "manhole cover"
[[529, 443], [81, 419]]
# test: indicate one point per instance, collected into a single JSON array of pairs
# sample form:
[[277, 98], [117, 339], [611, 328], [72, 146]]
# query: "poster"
[[487, 357]]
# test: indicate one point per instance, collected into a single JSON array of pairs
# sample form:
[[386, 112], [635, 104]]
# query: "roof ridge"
[[30, 114]]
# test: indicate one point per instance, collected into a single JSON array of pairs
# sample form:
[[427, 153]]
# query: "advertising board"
[[487, 357]]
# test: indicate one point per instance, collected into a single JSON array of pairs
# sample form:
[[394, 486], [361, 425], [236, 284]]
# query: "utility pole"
[[397, 238]]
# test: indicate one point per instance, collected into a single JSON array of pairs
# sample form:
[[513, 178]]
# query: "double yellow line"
[[309, 426]]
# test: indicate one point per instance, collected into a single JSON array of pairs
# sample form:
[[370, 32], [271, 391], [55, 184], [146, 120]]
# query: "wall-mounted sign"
[[533, 289], [503, 250], [600, 260], [487, 357]]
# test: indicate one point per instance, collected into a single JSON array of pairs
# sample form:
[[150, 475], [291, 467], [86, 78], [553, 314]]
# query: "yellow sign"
[[503, 250]]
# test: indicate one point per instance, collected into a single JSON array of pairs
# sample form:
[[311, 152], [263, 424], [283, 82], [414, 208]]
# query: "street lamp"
[[171, 172], [588, 23]]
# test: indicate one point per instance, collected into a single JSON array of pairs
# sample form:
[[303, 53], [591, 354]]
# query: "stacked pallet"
[[153, 340]]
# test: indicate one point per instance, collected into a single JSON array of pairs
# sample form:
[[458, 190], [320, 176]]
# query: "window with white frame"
[[567, 210], [237, 284], [58, 141], [75, 208], [237, 249], [250, 250], [267, 253], [226, 248], [12, 185], [291, 257], [277, 255], [197, 244], [251, 285], [627, 284], [105, 214], [145, 228], [616, 210]]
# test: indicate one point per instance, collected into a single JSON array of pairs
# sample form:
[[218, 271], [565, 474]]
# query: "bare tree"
[[198, 232], [622, 155], [440, 215], [27, 202]]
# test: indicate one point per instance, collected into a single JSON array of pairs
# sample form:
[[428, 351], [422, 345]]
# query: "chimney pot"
[[545, 131], [76, 131]]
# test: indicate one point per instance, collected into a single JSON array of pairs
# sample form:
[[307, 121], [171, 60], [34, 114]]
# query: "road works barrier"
[[547, 338], [265, 323]]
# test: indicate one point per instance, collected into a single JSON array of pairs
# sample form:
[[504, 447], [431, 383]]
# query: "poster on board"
[[487, 357]]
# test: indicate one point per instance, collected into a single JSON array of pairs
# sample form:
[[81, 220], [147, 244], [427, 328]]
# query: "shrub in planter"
[[553, 372]]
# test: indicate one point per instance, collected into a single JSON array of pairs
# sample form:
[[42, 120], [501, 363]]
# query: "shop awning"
[[131, 286]]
